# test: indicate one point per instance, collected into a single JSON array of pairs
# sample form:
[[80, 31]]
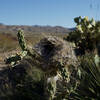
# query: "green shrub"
[[89, 88]]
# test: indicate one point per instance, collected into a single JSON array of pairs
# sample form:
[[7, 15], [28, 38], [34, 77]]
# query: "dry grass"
[[9, 42], [1, 59]]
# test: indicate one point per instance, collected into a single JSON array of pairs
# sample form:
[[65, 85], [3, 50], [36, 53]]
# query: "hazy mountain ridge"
[[36, 29]]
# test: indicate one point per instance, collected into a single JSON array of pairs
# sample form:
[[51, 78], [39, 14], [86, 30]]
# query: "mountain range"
[[35, 29]]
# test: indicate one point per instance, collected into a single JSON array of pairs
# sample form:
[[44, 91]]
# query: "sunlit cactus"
[[86, 36], [84, 24], [21, 40], [14, 59]]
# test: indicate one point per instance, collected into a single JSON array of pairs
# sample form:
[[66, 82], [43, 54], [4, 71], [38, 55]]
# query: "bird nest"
[[53, 49]]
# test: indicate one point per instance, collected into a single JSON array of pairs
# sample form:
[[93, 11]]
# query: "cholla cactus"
[[14, 59], [84, 24], [86, 36], [56, 56], [21, 40]]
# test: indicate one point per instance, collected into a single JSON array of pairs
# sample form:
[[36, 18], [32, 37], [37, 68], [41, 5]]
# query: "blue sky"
[[47, 12]]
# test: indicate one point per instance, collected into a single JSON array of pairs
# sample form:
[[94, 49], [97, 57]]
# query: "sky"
[[47, 12]]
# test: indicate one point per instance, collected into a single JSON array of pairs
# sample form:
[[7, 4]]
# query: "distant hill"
[[36, 29]]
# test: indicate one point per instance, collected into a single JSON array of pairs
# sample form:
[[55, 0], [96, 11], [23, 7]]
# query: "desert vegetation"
[[56, 67]]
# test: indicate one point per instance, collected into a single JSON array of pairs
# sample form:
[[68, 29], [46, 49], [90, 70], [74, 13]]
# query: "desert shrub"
[[89, 84], [89, 87]]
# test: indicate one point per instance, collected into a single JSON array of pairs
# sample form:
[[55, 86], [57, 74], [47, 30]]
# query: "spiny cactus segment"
[[14, 59], [21, 40], [84, 24]]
